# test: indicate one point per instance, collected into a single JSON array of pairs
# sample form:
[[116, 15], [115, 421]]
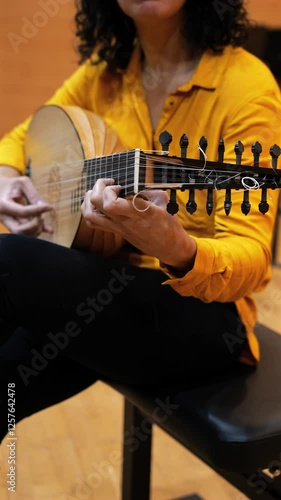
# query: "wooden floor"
[[72, 451]]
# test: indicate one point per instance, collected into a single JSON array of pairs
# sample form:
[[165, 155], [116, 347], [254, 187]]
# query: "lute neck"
[[122, 167]]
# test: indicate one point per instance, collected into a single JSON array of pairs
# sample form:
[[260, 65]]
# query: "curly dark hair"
[[101, 26]]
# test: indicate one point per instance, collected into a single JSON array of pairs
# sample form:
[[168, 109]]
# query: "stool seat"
[[231, 423]]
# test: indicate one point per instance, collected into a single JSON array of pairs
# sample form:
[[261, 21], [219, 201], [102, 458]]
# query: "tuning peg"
[[184, 142], [203, 143], [275, 153], [256, 150], [210, 201], [191, 205], [263, 205], [238, 149], [245, 205], [172, 206], [227, 201], [165, 139], [221, 149]]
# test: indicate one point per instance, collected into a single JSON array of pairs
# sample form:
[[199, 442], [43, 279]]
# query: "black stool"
[[233, 425]]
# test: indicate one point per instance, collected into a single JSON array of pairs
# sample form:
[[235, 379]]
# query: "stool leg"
[[137, 440]]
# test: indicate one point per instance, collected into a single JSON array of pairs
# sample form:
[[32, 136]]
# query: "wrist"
[[179, 266]]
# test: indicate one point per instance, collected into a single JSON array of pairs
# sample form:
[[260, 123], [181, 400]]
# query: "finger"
[[17, 210], [29, 228], [96, 219], [47, 228], [87, 206], [102, 196], [91, 214], [38, 224], [24, 186], [101, 184], [98, 189], [110, 196]]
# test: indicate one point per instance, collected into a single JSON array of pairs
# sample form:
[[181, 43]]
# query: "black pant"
[[71, 318]]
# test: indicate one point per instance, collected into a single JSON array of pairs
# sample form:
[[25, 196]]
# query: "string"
[[255, 185], [79, 199], [81, 178], [147, 199], [84, 177], [204, 154], [123, 167]]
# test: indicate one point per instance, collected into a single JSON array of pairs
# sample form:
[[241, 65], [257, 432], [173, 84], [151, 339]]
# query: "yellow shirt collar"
[[207, 74]]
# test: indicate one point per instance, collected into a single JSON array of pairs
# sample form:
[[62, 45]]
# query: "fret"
[[97, 170], [103, 166], [106, 167], [122, 167]]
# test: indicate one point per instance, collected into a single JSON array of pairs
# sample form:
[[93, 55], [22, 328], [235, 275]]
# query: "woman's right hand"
[[21, 209]]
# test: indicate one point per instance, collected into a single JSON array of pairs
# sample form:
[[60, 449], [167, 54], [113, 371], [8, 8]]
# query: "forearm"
[[236, 259], [7, 171]]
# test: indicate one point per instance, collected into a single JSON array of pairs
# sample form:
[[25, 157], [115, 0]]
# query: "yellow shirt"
[[233, 96]]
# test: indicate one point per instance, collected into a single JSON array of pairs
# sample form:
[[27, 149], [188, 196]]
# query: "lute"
[[68, 148]]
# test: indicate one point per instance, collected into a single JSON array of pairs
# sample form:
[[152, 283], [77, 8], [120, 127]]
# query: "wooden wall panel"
[[37, 50], [36, 54], [267, 12]]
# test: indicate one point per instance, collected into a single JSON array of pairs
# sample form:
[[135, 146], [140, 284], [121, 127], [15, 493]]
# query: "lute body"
[[58, 141]]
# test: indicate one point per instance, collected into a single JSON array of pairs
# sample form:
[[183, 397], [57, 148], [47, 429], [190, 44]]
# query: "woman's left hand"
[[143, 221]]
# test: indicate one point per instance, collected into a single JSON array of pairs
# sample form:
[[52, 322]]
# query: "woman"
[[172, 290]]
